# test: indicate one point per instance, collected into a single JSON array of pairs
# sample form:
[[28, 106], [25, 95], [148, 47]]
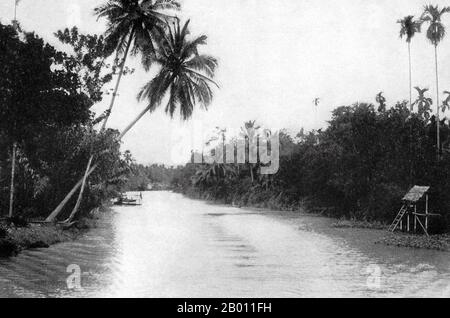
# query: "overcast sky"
[[275, 58]]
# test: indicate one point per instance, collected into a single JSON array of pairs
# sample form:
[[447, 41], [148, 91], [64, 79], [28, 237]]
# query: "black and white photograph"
[[234, 150]]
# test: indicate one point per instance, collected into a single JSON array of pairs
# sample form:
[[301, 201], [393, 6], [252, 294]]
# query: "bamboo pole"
[[426, 212], [415, 219], [11, 190], [425, 230], [407, 223]]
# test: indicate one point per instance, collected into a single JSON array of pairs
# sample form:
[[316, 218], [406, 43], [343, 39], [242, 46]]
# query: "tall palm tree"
[[435, 33], [409, 28], [137, 22], [136, 25], [185, 76]]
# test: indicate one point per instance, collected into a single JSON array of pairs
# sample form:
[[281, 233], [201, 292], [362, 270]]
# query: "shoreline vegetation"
[[438, 242], [15, 238]]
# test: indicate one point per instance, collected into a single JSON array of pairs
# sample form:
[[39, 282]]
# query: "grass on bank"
[[15, 238]]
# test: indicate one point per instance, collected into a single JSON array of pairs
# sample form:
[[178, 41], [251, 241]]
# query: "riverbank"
[[434, 242], [14, 239]]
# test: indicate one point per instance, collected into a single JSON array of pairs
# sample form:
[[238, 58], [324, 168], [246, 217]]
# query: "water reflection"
[[177, 247]]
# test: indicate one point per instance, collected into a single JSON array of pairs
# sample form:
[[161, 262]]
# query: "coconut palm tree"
[[409, 28], [435, 33], [137, 22], [136, 25], [184, 75]]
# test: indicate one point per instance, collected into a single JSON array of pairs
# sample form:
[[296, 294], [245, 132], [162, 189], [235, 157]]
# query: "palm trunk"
[[127, 129], [52, 217], [11, 190], [108, 113], [410, 124], [438, 136], [80, 196], [119, 78], [410, 77], [57, 211]]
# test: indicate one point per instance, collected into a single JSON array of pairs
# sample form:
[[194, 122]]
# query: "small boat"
[[129, 199]]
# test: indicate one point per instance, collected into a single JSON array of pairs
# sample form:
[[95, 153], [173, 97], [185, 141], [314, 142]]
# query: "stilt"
[[426, 213], [407, 223], [11, 190], [415, 219]]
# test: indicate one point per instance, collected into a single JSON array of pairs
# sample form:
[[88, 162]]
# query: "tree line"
[[360, 166]]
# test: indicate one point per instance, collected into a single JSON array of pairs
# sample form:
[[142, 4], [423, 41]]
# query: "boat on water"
[[129, 199]]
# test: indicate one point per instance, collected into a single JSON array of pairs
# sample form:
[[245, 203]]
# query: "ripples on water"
[[177, 247]]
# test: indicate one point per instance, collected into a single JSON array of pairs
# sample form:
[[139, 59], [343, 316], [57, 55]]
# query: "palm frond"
[[184, 75]]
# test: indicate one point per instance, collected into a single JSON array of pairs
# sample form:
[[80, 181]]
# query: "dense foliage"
[[360, 166], [46, 96]]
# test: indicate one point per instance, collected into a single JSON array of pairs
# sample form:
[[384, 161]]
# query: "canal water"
[[172, 246]]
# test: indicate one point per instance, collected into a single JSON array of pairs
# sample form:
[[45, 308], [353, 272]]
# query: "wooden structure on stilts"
[[409, 211]]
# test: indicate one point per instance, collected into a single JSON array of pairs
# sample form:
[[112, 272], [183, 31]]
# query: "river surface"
[[172, 246]]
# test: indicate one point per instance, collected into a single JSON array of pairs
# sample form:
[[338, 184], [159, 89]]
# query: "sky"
[[275, 58]]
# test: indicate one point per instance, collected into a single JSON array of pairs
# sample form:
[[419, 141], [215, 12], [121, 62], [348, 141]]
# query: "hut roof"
[[415, 194]]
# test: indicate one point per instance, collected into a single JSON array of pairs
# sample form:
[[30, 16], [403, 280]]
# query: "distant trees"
[[358, 166]]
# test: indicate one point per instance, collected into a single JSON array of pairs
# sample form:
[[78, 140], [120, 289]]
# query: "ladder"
[[398, 218]]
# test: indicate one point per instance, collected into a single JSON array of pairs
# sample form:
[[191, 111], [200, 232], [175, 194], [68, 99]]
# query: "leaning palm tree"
[[435, 33], [133, 24], [137, 22], [409, 28], [184, 75]]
